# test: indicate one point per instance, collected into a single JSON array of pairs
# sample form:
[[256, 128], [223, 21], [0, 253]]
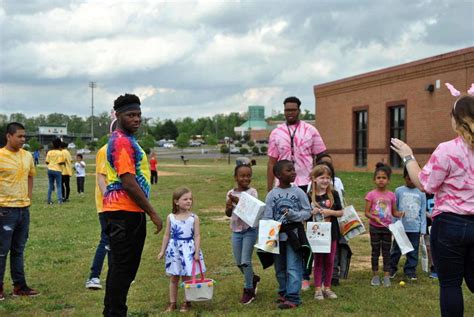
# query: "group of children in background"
[[290, 205]]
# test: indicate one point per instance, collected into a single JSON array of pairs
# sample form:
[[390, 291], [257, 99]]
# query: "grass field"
[[63, 238]]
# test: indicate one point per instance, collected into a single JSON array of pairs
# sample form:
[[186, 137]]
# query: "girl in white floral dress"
[[182, 237]]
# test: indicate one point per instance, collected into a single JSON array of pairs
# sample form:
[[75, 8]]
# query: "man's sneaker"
[[305, 285], [248, 296], [375, 281], [393, 274], [386, 281], [412, 277], [24, 291], [287, 305], [318, 295], [433, 275], [328, 293], [185, 307], [93, 283], [256, 280], [2, 294], [280, 299]]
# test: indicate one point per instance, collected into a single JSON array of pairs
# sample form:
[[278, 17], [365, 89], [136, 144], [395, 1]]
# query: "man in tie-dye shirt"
[[16, 186], [294, 140], [125, 204]]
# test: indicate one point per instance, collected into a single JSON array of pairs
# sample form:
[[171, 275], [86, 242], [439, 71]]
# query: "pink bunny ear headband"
[[113, 116], [457, 93]]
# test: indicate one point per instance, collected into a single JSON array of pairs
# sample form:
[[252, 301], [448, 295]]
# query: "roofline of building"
[[398, 67]]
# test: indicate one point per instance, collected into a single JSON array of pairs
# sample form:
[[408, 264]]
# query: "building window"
[[397, 130], [361, 138]]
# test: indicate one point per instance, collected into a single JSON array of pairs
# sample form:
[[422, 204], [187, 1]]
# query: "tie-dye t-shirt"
[[449, 174], [307, 143], [124, 155], [381, 206], [15, 168]]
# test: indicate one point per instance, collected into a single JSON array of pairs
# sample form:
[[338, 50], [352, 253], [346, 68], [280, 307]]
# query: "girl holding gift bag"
[[181, 244], [380, 206], [327, 204], [243, 236]]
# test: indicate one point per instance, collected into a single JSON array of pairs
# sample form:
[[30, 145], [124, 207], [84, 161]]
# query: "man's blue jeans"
[[102, 249], [14, 227], [452, 246], [289, 272], [412, 257], [242, 247], [55, 177]]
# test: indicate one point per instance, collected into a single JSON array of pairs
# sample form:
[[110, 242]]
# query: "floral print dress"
[[179, 253]]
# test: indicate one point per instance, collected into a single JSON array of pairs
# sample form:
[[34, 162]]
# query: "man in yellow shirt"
[[16, 186]]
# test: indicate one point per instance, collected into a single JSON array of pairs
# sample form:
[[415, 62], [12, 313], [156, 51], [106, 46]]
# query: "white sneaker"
[[93, 283]]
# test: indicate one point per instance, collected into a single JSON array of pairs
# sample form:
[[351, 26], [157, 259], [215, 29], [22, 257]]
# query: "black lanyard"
[[292, 137]]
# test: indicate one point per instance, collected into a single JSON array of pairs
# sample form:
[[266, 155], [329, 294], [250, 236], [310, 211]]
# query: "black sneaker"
[[256, 280]]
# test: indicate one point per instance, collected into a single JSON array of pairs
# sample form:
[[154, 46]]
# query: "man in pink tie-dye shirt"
[[294, 140]]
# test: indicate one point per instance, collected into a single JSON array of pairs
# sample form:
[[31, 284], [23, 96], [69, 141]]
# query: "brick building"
[[357, 116]]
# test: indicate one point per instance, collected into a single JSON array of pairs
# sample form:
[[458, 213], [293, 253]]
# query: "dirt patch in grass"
[[360, 263], [187, 165], [210, 210], [220, 219]]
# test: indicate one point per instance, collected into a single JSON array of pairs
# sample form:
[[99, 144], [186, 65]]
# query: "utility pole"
[[92, 85]]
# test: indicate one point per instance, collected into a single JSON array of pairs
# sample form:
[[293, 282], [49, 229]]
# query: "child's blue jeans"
[[242, 247], [289, 272], [412, 257]]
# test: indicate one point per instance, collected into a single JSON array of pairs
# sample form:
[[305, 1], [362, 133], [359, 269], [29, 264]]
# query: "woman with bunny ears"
[[449, 174]]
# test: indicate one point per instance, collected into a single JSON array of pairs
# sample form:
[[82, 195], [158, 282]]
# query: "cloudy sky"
[[187, 58]]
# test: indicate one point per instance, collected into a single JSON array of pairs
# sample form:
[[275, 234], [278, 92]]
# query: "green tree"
[[211, 139], [102, 141], [263, 149], [182, 141], [224, 149], [168, 130], [250, 143], [244, 150], [147, 143], [80, 144], [255, 150], [34, 144], [92, 145]]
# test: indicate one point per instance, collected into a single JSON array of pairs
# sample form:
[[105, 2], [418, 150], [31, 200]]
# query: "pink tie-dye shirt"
[[306, 144], [449, 174]]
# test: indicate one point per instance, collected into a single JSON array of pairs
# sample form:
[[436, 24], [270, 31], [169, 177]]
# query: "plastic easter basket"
[[196, 290]]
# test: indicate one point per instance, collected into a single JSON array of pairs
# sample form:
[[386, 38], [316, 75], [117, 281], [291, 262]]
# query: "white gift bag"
[[424, 255], [350, 224], [268, 236], [401, 237], [249, 209], [319, 236]]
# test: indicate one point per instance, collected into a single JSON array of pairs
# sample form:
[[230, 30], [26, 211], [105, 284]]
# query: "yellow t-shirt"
[[15, 168], [67, 167], [53, 158], [100, 168]]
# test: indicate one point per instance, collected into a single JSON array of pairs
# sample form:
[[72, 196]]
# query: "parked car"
[[194, 143], [83, 151], [234, 150], [168, 145]]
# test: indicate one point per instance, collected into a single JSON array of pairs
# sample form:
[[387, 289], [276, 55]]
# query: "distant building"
[[357, 116], [255, 123], [46, 134]]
